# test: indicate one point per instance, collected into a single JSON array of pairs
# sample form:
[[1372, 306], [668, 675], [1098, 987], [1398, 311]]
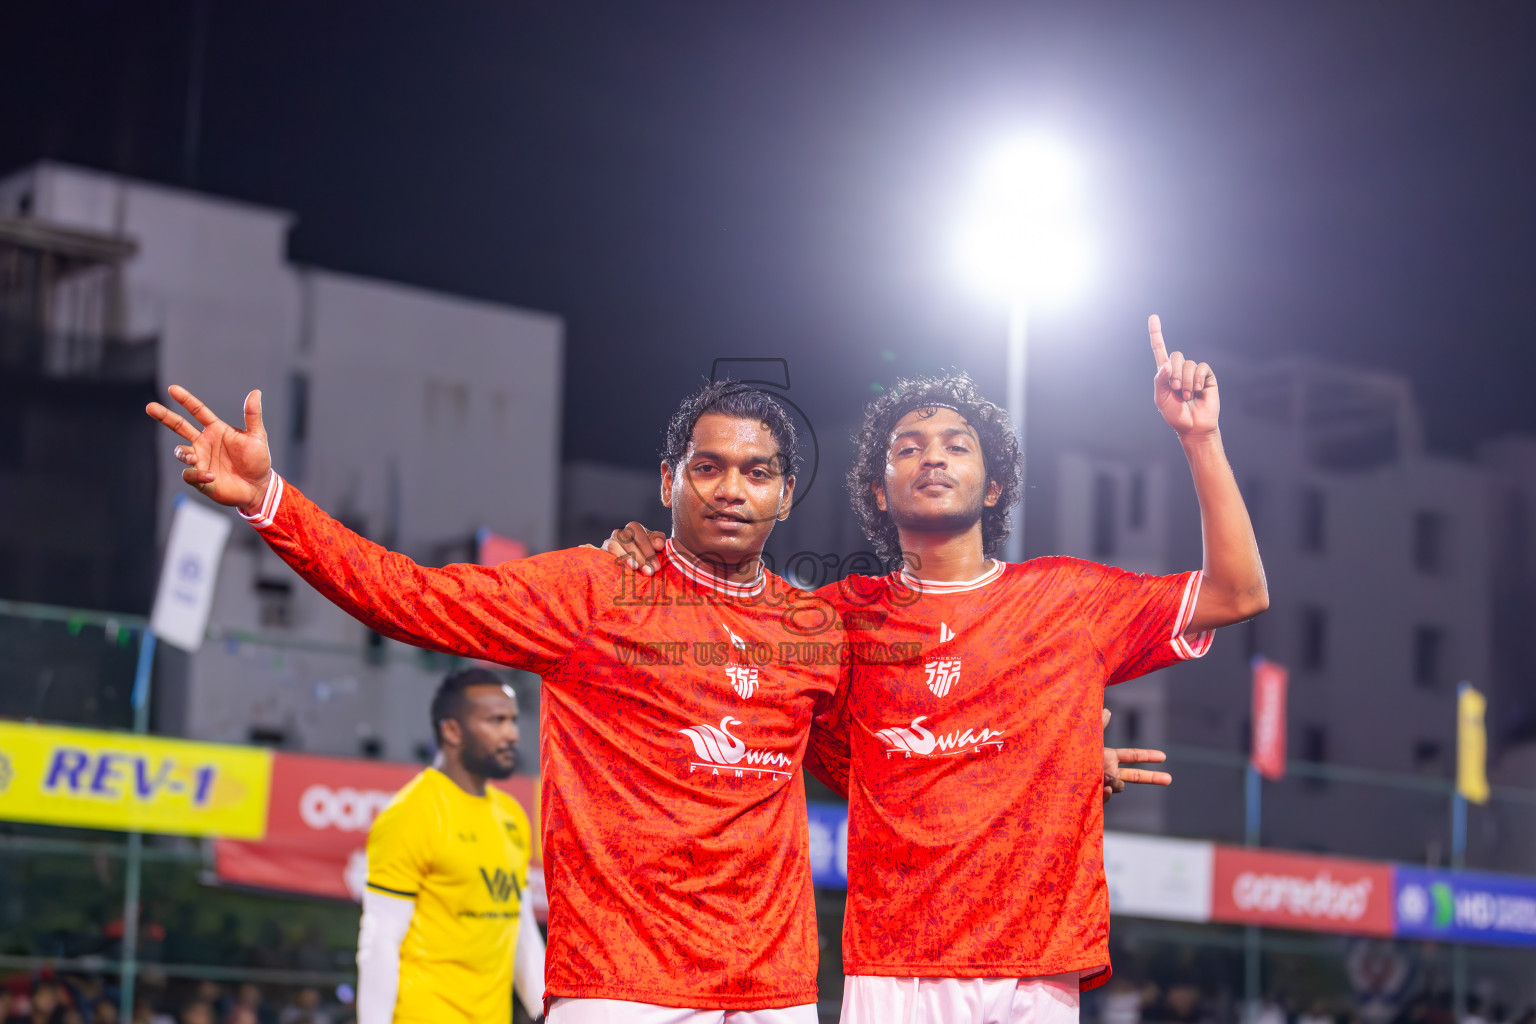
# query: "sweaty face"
[[935, 476], [729, 490], [488, 731]]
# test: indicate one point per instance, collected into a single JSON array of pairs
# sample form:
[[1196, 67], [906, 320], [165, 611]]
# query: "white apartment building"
[[416, 417], [1379, 567]]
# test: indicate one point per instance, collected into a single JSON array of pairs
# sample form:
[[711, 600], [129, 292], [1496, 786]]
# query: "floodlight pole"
[[1015, 371], [133, 865]]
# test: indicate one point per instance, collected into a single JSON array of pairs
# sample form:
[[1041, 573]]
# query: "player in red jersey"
[[674, 822], [976, 887]]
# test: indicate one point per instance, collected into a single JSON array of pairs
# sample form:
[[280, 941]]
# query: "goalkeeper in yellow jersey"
[[446, 919]]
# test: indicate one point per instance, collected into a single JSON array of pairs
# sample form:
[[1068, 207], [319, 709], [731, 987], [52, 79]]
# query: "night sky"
[[687, 181]]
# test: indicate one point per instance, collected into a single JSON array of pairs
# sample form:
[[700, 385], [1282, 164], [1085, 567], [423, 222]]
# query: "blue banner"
[[1460, 906], [829, 845]]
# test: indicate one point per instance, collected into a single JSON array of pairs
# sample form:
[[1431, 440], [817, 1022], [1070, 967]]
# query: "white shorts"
[[620, 1011], [873, 1000]]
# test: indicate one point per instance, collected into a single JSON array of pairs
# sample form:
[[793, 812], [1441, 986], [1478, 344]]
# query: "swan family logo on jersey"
[[943, 674], [717, 748], [915, 740]]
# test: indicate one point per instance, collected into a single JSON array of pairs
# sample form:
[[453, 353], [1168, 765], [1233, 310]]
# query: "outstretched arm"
[[1232, 587], [527, 613]]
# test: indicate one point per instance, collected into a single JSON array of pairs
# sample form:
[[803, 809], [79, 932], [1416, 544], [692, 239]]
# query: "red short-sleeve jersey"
[[974, 771], [676, 847]]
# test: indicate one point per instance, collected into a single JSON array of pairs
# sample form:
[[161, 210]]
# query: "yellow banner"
[[1471, 745], [127, 782]]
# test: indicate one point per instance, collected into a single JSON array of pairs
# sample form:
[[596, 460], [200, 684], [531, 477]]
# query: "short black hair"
[[999, 452], [742, 401], [448, 701]]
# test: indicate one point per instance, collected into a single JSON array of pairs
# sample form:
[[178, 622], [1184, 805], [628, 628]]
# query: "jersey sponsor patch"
[[717, 747], [917, 740]]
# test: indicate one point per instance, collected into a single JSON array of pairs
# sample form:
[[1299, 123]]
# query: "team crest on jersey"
[[743, 680], [915, 740], [718, 748], [943, 674]]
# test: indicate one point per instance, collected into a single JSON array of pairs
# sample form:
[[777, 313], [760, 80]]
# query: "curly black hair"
[[999, 451], [731, 398]]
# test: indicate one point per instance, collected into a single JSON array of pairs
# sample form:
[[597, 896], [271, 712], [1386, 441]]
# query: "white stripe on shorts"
[[620, 1011], [875, 1000]]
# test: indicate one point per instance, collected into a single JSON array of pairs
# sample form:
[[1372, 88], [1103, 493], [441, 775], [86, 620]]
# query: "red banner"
[[1269, 683], [1295, 890], [317, 825]]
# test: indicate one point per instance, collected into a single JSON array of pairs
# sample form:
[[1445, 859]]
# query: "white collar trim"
[[951, 587], [704, 578]]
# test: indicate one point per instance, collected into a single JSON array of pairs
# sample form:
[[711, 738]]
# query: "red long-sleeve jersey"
[[673, 733]]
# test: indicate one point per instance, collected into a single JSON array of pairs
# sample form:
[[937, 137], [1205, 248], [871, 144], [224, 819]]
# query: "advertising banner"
[[829, 845], [1462, 906], [192, 554], [317, 831], [1269, 686], [1150, 876], [1471, 744], [1295, 890], [122, 781]]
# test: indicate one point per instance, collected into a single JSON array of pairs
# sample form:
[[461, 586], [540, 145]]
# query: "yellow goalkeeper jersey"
[[464, 861]]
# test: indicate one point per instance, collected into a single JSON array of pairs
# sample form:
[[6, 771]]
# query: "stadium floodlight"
[[1023, 240], [1022, 237]]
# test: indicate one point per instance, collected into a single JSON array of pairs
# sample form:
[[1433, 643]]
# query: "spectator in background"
[[240, 1014], [104, 1011], [305, 1009], [197, 1013], [47, 1006], [249, 996]]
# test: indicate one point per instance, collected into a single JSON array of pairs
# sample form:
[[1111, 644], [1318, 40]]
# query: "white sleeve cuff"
[[1196, 646], [264, 516]]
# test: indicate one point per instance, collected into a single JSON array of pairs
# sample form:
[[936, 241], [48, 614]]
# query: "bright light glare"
[[1023, 234]]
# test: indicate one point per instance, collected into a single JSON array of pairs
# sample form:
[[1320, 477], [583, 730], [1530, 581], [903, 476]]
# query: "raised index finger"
[[1159, 349], [193, 405]]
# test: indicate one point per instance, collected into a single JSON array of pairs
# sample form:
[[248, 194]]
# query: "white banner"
[[186, 579], [1150, 876]]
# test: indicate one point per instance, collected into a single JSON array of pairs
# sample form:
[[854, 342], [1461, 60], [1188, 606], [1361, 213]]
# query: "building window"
[[298, 425], [1136, 511], [1314, 521], [1253, 497], [1103, 515], [1314, 749], [274, 602], [1426, 753], [1429, 542], [1132, 720], [1428, 656], [1314, 639]]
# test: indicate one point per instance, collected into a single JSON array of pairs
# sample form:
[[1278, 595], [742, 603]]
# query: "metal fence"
[[66, 896]]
